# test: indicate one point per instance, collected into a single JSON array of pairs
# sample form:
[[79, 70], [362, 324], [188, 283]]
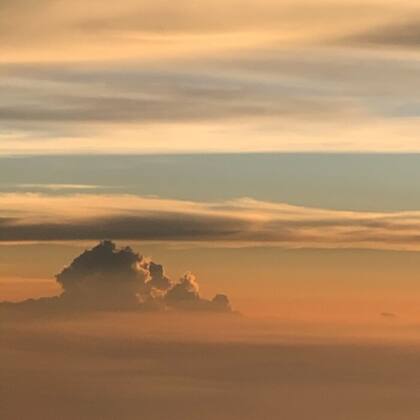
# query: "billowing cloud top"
[[106, 277]]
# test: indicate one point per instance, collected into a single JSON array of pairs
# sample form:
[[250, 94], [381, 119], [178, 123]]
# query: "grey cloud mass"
[[106, 277], [405, 33], [148, 226]]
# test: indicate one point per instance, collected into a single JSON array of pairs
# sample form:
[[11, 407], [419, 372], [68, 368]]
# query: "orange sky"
[[141, 77], [324, 285]]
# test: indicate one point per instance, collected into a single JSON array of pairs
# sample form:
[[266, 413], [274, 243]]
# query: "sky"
[[209, 209], [296, 236], [220, 135]]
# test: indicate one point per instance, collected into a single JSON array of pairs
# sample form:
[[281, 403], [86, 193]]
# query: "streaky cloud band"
[[40, 217]]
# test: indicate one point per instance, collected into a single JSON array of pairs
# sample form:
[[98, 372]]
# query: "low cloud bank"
[[106, 277]]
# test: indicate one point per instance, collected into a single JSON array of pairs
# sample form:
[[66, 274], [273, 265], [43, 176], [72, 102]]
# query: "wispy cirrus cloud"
[[37, 217], [156, 25], [270, 100], [58, 187], [142, 76]]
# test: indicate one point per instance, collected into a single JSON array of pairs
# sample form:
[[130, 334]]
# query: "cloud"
[[404, 34], [158, 279], [38, 217], [46, 96], [185, 290], [145, 225], [76, 80], [57, 187], [106, 277], [105, 20], [263, 99], [389, 315], [185, 295], [219, 16]]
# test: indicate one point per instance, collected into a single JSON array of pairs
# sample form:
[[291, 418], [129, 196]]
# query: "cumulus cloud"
[[157, 278], [185, 290], [106, 277], [185, 295]]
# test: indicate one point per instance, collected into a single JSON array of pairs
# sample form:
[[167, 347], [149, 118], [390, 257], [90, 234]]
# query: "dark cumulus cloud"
[[107, 277], [104, 276]]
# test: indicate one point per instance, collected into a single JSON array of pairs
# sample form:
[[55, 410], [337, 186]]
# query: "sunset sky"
[[267, 146], [209, 209], [295, 235], [137, 76]]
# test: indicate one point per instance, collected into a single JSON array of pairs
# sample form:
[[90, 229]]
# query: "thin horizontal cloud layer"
[[120, 96], [404, 33], [142, 18], [36, 217], [261, 100]]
